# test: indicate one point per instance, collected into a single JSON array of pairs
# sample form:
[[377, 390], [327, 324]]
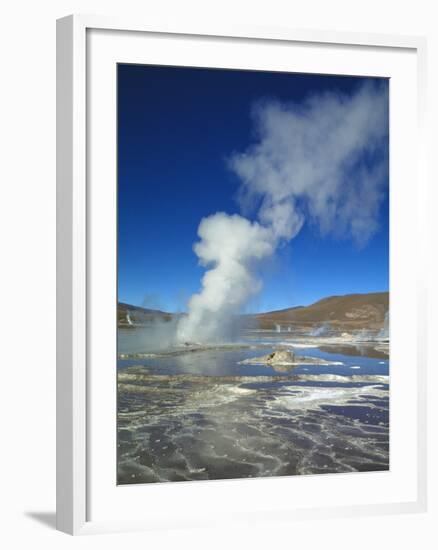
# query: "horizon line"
[[181, 312]]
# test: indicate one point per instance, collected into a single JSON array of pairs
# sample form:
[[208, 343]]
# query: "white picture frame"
[[75, 398]]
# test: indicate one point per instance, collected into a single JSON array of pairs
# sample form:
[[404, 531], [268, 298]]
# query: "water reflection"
[[202, 415]]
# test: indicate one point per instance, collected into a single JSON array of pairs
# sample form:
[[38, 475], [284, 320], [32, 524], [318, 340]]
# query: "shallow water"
[[200, 414]]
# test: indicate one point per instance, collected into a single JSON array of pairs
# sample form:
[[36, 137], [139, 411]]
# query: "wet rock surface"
[[284, 360], [181, 419]]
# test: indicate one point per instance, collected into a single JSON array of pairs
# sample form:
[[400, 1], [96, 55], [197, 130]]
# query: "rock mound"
[[281, 357]]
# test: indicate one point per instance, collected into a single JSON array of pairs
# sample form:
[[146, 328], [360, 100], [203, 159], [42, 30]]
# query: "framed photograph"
[[240, 275]]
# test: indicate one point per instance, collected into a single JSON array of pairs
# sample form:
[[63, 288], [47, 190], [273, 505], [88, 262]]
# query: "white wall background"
[[27, 305]]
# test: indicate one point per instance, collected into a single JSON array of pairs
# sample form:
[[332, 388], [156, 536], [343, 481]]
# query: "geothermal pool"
[[198, 413]]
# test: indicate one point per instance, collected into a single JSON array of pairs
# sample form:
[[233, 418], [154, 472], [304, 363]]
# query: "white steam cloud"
[[230, 245], [323, 160]]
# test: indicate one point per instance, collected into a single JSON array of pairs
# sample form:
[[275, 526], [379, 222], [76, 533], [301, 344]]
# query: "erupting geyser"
[[229, 245], [311, 161]]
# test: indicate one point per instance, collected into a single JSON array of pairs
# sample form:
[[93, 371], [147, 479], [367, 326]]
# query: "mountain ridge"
[[347, 312], [343, 312]]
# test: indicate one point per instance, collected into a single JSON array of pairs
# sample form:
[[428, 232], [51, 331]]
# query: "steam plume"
[[229, 245], [323, 160]]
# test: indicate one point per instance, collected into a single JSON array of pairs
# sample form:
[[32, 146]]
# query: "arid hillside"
[[128, 315], [349, 312]]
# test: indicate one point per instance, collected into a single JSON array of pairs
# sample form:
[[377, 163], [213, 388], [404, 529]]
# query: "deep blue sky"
[[176, 128]]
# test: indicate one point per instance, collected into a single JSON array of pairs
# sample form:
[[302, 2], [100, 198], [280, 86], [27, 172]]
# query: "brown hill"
[[127, 314], [349, 312]]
